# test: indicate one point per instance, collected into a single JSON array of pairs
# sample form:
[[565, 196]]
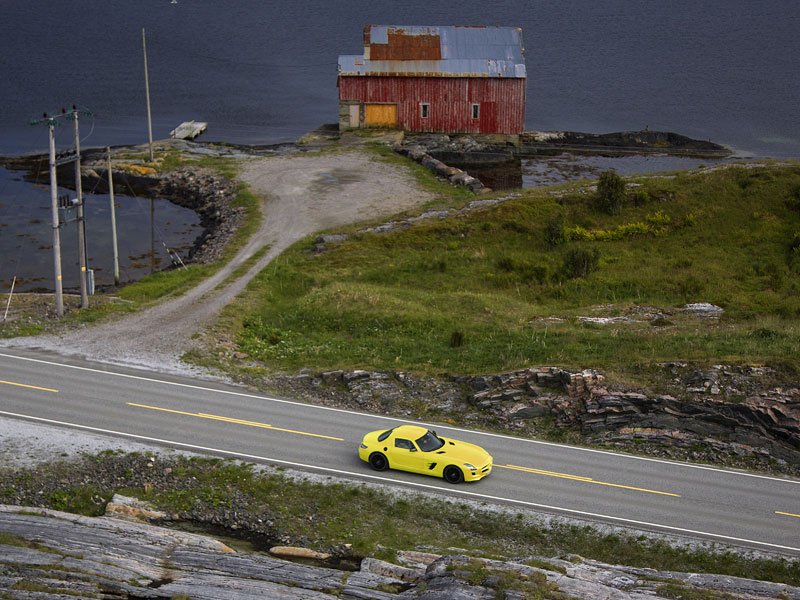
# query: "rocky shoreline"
[[61, 555], [132, 549]]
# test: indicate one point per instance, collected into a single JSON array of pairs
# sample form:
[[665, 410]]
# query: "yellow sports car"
[[419, 450]]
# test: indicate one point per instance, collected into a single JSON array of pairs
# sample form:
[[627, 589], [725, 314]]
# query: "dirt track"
[[302, 195]]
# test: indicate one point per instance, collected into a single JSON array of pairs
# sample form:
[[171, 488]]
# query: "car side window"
[[405, 444]]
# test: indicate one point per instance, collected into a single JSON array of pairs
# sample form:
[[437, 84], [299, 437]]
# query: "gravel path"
[[302, 195]]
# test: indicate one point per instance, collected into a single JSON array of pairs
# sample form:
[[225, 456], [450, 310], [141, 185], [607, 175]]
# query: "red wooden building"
[[435, 79]]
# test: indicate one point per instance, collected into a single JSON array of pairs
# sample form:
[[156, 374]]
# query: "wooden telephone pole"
[[59, 292], [81, 222]]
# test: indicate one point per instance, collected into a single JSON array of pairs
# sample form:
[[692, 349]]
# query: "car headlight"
[[470, 466], [363, 446]]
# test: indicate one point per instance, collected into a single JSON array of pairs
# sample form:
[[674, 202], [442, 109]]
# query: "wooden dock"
[[188, 130]]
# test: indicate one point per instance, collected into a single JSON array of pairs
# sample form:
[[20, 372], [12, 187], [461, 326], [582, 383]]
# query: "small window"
[[424, 109], [405, 444], [476, 111]]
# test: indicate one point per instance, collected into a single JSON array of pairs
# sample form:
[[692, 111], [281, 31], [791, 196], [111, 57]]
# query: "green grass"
[[395, 301]]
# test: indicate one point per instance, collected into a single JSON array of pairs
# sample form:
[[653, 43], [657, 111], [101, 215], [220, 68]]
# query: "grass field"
[[501, 288]]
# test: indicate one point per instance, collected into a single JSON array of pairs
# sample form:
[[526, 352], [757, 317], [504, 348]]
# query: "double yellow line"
[[584, 479], [236, 421]]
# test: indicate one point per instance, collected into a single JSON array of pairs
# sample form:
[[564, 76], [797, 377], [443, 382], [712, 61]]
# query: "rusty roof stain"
[[438, 51]]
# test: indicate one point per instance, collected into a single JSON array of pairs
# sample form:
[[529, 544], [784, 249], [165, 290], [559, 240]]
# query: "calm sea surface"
[[26, 235], [264, 71]]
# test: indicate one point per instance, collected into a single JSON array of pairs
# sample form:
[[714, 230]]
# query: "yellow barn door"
[[380, 115]]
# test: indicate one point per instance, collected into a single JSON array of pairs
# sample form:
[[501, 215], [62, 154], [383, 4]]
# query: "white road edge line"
[[408, 483], [385, 418]]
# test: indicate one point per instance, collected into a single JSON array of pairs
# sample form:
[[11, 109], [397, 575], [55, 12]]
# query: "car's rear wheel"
[[453, 474], [378, 461]]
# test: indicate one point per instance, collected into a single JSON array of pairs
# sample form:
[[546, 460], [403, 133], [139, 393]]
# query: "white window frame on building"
[[475, 110], [424, 110]]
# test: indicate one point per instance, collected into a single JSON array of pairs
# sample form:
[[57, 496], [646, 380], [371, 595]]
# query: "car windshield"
[[429, 442]]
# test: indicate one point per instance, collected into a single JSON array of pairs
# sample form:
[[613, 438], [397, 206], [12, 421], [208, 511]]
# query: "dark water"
[[265, 71], [26, 236]]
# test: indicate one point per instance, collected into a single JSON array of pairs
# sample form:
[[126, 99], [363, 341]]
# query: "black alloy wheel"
[[453, 474], [378, 461]]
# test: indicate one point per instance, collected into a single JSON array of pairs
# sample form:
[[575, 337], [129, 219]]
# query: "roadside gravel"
[[301, 195]]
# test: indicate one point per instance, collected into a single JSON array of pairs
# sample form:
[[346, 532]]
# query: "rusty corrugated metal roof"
[[462, 52]]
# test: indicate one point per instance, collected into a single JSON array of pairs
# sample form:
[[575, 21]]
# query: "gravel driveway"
[[302, 195]]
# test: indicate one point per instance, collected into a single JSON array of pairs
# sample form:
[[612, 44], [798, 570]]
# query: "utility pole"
[[113, 219], [147, 93], [81, 223], [51, 125]]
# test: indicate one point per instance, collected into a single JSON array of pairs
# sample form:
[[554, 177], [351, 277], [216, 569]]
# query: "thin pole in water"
[[147, 93], [113, 218]]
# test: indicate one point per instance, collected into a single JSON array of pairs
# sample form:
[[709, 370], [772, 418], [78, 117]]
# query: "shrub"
[[639, 197], [506, 263], [610, 192], [580, 262], [456, 339], [554, 233]]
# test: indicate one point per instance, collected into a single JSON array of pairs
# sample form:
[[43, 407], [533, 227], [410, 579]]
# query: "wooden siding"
[[502, 102]]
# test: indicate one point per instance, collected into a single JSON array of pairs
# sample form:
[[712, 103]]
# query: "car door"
[[406, 456]]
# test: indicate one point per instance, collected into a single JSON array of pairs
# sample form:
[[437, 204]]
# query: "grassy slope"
[[395, 300]]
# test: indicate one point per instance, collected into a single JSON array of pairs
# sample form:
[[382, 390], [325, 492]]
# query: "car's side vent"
[[431, 466], [452, 443], [440, 452]]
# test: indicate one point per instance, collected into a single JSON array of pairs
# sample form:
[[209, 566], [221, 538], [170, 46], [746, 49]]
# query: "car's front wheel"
[[453, 474], [378, 461]]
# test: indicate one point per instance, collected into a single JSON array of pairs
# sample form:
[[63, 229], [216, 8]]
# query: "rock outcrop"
[[725, 414], [46, 553]]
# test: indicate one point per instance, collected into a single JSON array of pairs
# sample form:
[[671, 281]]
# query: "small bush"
[[610, 192], [580, 262], [506, 264], [793, 201], [554, 233], [639, 197], [456, 339]]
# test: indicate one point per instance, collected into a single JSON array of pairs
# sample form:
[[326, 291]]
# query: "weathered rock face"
[[46, 553], [764, 426], [730, 415]]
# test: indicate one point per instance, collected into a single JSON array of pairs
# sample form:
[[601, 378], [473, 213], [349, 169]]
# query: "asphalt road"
[[727, 506]]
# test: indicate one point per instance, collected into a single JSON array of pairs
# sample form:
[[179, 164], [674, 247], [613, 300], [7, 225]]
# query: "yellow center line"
[[582, 479], [233, 420], [777, 512], [30, 387]]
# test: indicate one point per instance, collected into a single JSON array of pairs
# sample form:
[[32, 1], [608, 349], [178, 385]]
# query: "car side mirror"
[[412, 449]]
